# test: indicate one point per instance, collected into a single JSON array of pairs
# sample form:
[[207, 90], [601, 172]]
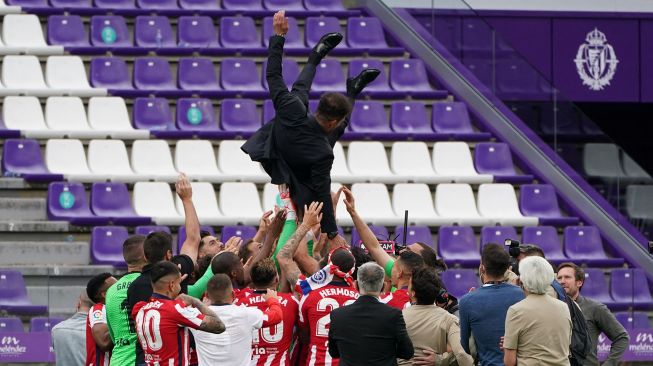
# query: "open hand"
[[183, 187], [276, 226], [233, 244], [335, 197], [313, 214], [280, 23], [427, 359], [265, 221], [349, 200]]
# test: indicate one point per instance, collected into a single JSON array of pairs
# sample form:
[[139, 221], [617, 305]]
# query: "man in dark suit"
[[369, 332], [296, 147]]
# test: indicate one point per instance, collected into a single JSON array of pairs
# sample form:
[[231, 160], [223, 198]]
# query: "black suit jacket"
[[368, 332], [292, 148]]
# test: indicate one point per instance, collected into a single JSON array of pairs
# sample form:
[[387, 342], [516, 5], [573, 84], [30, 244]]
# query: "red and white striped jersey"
[[398, 299], [94, 355]]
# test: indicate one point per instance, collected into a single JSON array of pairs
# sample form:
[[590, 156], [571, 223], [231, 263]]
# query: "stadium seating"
[[494, 158], [13, 295], [497, 235], [498, 202], [634, 320], [147, 229], [40, 324], [112, 200], [22, 158], [206, 204], [596, 287], [380, 232], [459, 281], [546, 237], [154, 199], [67, 201], [244, 232], [181, 235], [457, 245], [584, 245], [540, 200], [106, 245], [11, 325]]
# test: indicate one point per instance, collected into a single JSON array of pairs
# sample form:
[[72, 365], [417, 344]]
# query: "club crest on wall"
[[596, 61]]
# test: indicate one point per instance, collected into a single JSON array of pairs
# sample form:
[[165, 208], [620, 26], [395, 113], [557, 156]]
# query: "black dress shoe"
[[357, 84], [328, 42]]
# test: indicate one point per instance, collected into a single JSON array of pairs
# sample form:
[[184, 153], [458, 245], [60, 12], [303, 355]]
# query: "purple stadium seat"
[[497, 235], [642, 293], [540, 200], [625, 289], [11, 325], [634, 320], [13, 295], [367, 33], [181, 234], [240, 74], [67, 30], [415, 234], [289, 71], [197, 74], [67, 201], [148, 229], [239, 33], [312, 105], [316, 27], [457, 244], [22, 158], [205, 5], [153, 32], [249, 5], [328, 77], [110, 31], [289, 5], [152, 114], [194, 114], [112, 200], [459, 281], [80, 6], [43, 324], [28, 3], [380, 232], [328, 5], [369, 118], [584, 244], [240, 116], [106, 245], [157, 4], [545, 237], [110, 73], [378, 87], [153, 73], [410, 76], [244, 232], [197, 32], [410, 118], [452, 118], [115, 4], [596, 287], [495, 158], [293, 37], [517, 79]]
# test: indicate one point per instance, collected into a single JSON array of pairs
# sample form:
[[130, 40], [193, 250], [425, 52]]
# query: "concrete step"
[[18, 209], [32, 226], [61, 300], [44, 253]]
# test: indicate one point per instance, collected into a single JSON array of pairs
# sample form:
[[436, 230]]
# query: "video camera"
[[514, 249]]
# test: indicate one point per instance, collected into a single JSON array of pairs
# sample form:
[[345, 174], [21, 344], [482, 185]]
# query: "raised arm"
[[190, 247], [263, 227], [289, 269]]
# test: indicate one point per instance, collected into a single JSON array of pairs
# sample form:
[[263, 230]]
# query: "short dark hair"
[[156, 245], [495, 260], [243, 252], [531, 250], [426, 284], [218, 287], [411, 260], [579, 273], [360, 257], [95, 284], [162, 269], [132, 250], [431, 258], [343, 259], [333, 106], [263, 272], [203, 234], [225, 262]]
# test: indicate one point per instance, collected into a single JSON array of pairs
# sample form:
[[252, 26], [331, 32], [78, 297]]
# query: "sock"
[[284, 201]]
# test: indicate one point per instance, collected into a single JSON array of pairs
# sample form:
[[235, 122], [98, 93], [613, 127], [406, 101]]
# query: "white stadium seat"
[[498, 203], [368, 162], [240, 203], [237, 166], [373, 204], [196, 158], [206, 204], [68, 116], [418, 200], [110, 116], [154, 199], [67, 157], [109, 158], [25, 114], [23, 75], [270, 192], [9, 9], [151, 160], [339, 170], [455, 204], [412, 161], [342, 216], [453, 162], [22, 34], [68, 75]]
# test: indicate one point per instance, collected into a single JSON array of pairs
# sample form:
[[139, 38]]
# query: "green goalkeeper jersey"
[[122, 333]]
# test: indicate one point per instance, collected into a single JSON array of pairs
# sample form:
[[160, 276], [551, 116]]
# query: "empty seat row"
[[22, 34], [610, 163], [240, 76], [36, 324], [148, 6], [13, 295], [198, 34], [639, 202], [152, 160], [64, 75]]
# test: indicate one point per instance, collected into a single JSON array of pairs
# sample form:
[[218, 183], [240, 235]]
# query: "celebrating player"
[[98, 339]]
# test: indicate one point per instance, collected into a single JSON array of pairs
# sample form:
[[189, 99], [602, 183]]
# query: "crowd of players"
[[268, 301]]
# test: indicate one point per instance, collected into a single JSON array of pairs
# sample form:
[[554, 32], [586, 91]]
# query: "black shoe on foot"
[[357, 84], [328, 42]]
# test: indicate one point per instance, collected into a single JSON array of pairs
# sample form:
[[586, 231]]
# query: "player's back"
[[118, 321], [315, 310], [271, 345]]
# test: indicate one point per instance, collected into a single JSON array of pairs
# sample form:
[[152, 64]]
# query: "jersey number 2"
[[146, 321], [322, 305]]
